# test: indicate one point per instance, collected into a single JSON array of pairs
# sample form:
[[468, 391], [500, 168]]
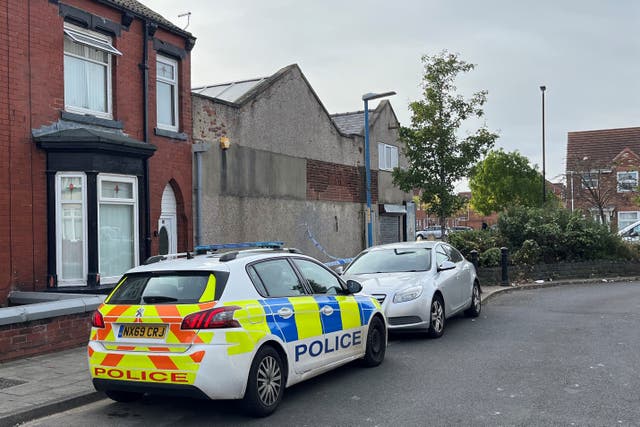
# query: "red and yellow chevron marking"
[[178, 369], [171, 315]]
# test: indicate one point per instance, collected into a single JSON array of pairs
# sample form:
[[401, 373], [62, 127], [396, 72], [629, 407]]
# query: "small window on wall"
[[627, 181], [167, 93], [87, 71], [387, 157], [117, 225], [625, 219], [590, 180], [71, 228]]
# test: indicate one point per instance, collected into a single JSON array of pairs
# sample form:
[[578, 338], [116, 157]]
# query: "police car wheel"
[[437, 319], [123, 396], [266, 382], [376, 343]]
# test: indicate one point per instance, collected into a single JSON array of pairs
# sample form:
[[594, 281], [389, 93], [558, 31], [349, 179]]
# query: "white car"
[[243, 324], [419, 284], [631, 233]]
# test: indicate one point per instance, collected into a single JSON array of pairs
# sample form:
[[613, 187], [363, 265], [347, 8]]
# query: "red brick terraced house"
[[602, 174], [95, 142]]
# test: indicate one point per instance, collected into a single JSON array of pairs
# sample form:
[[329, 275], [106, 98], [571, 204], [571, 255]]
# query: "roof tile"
[[600, 147]]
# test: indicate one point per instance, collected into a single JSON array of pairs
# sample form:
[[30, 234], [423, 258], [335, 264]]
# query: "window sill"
[[91, 120], [181, 136]]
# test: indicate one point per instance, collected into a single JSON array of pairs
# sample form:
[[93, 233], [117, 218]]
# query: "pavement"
[[39, 386]]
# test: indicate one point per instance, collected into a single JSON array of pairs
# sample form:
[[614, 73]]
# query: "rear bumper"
[[151, 388], [204, 371]]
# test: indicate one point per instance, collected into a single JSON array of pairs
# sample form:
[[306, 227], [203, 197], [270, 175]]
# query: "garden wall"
[[560, 271]]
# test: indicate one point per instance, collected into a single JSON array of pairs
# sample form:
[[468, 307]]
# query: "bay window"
[[71, 224], [117, 225]]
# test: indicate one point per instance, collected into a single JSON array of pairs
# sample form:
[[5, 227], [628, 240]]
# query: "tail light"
[[221, 317], [96, 320]]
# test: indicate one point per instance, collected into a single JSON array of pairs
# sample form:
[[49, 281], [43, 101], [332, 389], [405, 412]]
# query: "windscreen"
[[169, 288], [391, 261]]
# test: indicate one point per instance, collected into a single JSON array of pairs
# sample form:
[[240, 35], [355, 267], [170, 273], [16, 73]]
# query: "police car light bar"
[[244, 245]]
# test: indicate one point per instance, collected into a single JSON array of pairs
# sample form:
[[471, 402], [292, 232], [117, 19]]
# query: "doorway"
[[167, 225]]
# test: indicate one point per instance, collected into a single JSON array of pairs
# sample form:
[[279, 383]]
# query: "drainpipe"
[[149, 29], [197, 150]]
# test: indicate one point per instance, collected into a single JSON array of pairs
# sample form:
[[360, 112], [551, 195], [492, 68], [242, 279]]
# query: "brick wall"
[[42, 336], [560, 271], [32, 96], [621, 201], [339, 183]]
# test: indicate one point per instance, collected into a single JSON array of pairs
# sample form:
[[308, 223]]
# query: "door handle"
[[327, 310], [285, 312]]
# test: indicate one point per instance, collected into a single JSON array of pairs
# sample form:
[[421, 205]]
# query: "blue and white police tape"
[[342, 261], [317, 244]]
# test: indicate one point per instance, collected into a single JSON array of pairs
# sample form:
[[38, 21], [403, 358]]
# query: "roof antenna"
[[188, 15]]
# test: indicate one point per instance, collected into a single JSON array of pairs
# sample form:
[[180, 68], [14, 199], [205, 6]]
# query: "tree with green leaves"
[[437, 156], [503, 180]]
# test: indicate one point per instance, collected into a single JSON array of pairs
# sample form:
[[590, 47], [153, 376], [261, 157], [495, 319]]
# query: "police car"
[[230, 324]]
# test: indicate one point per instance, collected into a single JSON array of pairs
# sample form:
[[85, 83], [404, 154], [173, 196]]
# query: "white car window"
[[441, 256], [320, 280], [454, 255], [278, 278]]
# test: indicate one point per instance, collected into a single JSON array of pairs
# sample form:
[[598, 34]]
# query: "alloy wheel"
[[476, 299], [437, 316], [269, 380]]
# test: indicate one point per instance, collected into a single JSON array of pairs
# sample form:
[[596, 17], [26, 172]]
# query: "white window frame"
[[620, 213], [127, 179], [595, 215], [384, 163], [593, 180], [60, 225], [98, 41], [620, 182], [172, 62]]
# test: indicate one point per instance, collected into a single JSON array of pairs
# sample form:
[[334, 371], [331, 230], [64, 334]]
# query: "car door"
[[446, 281], [294, 310], [340, 314], [462, 276]]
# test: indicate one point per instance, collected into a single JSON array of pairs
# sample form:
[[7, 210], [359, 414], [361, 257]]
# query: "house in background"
[[272, 164], [602, 174], [95, 142]]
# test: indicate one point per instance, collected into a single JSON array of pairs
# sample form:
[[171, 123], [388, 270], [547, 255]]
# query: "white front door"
[[167, 225], [167, 235]]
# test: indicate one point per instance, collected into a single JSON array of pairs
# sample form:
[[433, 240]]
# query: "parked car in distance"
[[418, 284], [431, 232], [631, 233]]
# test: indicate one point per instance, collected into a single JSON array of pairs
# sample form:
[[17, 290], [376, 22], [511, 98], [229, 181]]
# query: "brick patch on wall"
[[339, 183]]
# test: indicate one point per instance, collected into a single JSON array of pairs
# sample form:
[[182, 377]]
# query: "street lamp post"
[[367, 162], [544, 192]]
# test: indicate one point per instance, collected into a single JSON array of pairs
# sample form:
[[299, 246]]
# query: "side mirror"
[[339, 270], [446, 265], [353, 287]]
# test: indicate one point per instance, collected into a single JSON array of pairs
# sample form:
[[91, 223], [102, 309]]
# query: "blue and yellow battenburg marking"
[[297, 318]]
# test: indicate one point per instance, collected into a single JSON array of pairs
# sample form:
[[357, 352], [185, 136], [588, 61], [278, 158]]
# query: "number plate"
[[142, 331]]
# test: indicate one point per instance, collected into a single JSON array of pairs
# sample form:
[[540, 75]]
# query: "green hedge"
[[545, 235]]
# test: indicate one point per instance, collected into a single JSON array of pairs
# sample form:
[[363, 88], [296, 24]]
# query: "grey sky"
[[584, 51]]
